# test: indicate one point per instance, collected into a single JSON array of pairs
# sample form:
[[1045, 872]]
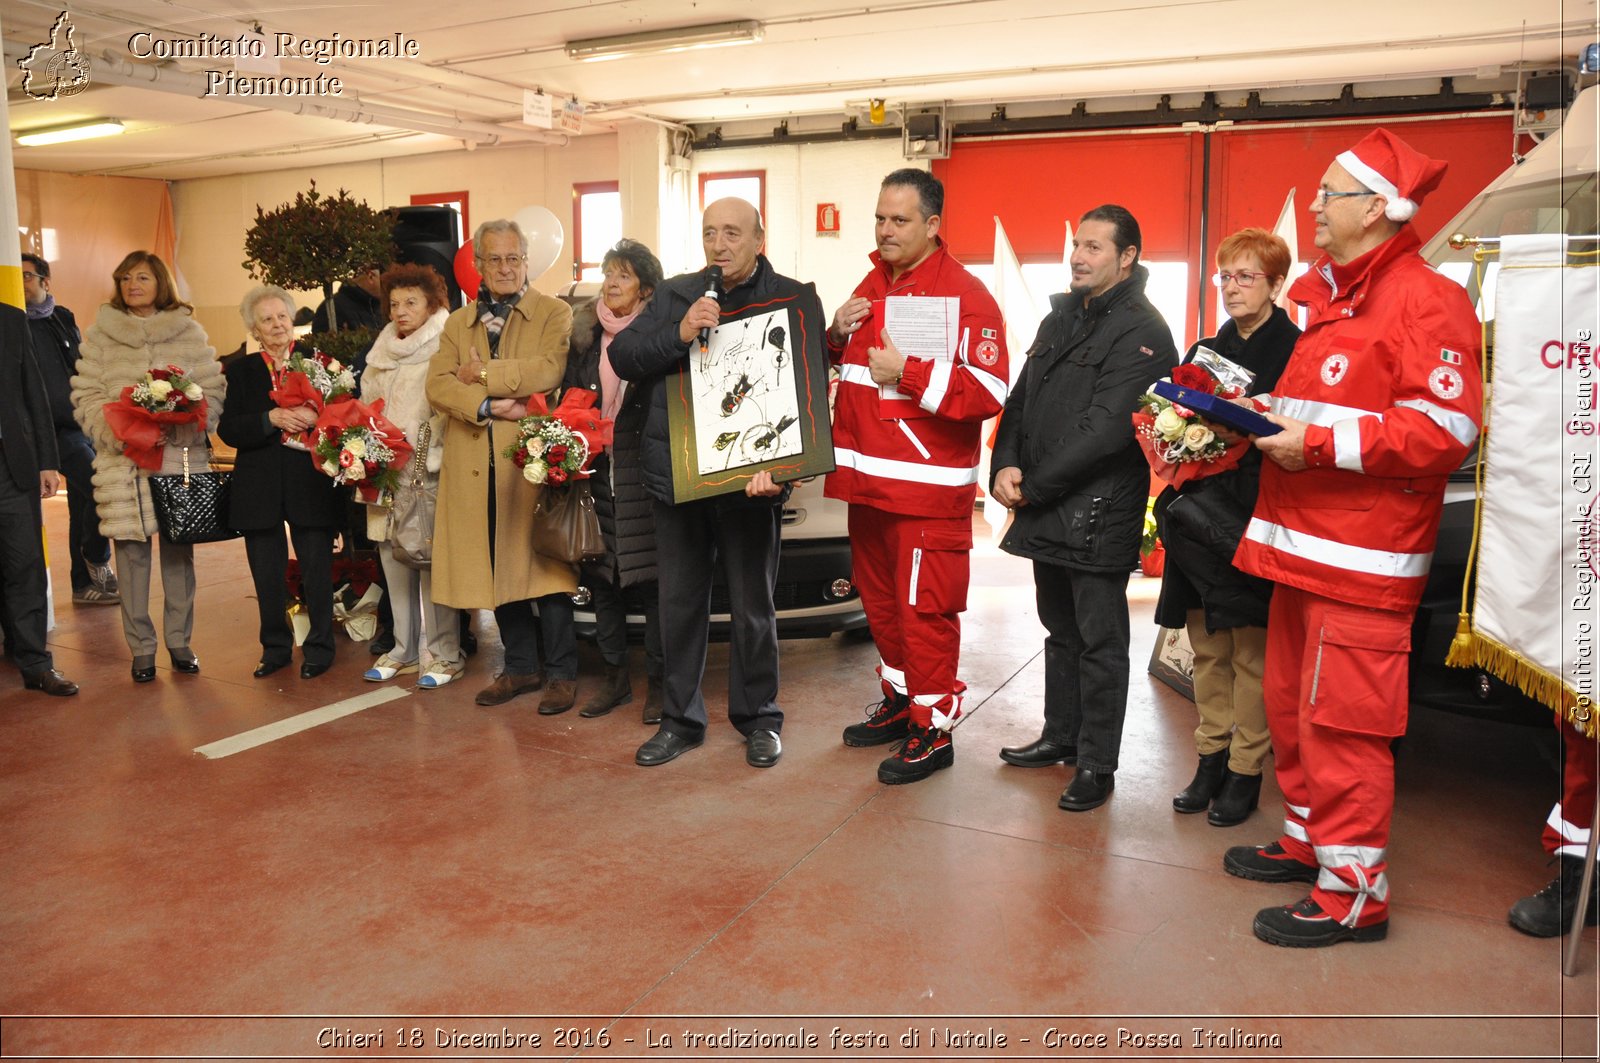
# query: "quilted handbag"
[[565, 525], [192, 507]]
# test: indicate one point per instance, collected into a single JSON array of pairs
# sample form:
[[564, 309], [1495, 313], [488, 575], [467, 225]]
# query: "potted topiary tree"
[[317, 240]]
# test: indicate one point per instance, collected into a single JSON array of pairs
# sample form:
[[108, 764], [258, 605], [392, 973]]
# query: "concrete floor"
[[415, 878]]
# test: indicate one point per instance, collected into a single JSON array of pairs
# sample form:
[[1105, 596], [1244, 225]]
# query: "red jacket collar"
[[1328, 281], [923, 275]]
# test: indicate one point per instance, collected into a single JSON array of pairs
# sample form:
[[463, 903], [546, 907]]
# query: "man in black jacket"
[[28, 473], [1067, 465], [742, 529], [55, 349]]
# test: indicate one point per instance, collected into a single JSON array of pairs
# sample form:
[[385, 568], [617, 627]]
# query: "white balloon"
[[545, 236]]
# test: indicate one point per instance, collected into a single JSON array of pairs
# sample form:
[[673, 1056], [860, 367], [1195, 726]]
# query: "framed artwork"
[[755, 399], [1172, 661]]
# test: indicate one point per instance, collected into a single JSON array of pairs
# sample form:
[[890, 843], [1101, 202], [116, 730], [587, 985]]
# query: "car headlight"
[[582, 596]]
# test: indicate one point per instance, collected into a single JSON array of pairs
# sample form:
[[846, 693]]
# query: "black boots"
[[1239, 797], [1207, 781], [615, 690], [1548, 913]]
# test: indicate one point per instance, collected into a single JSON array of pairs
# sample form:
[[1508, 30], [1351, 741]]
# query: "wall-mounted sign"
[[828, 219]]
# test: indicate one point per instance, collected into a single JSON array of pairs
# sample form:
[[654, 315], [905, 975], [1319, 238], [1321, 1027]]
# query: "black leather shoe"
[[188, 664], [144, 669], [1267, 863], [1207, 781], [1304, 925], [266, 668], [310, 670], [1088, 789], [663, 747], [763, 750], [51, 682], [1239, 796], [1040, 753]]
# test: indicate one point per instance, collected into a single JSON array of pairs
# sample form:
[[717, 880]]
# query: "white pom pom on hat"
[[1393, 169]]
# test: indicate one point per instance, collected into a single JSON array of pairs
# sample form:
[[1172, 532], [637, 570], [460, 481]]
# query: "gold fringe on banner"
[[1538, 683]]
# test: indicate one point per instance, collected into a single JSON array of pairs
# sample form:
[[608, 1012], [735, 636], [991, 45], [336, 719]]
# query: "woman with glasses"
[[1224, 610]]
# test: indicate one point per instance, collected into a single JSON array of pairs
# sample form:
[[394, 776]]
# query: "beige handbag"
[[415, 499]]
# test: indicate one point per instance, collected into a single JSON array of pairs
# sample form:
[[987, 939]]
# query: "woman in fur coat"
[[144, 327]]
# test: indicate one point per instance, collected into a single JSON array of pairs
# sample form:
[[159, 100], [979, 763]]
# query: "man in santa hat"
[[1380, 401]]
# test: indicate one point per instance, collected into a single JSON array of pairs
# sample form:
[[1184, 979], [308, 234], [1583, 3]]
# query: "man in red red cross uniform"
[[1380, 401], [1566, 837], [907, 432]]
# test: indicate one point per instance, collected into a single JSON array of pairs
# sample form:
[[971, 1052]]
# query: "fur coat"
[[118, 350]]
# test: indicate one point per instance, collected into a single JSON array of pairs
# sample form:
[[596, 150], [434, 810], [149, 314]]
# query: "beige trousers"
[[177, 590], [1227, 691]]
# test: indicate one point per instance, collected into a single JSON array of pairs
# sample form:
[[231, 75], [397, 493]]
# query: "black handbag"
[[192, 507], [565, 525]]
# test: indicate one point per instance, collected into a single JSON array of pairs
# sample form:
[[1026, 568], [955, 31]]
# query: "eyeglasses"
[[1243, 278], [1325, 195], [496, 261], [27, 276]]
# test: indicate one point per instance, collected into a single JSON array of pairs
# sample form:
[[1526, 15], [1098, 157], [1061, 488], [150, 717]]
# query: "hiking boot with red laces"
[[1267, 863], [1304, 925], [925, 751], [886, 721]]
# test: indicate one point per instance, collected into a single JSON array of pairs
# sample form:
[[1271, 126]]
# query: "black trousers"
[[268, 554], [523, 633], [84, 541], [22, 574], [690, 540], [611, 622], [1085, 660]]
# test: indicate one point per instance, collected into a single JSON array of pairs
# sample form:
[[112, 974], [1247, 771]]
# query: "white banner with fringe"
[[1534, 618]]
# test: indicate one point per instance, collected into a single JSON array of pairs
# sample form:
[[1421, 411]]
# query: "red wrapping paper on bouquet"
[[577, 411], [356, 445], [142, 431], [1178, 473], [293, 391]]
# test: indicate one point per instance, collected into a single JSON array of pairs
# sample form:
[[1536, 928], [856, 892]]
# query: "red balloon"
[[466, 271]]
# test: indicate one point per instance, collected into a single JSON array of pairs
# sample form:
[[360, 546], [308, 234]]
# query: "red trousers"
[[912, 573], [1335, 688], [1566, 833]]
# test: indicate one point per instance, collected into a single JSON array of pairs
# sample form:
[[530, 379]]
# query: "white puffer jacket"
[[117, 351], [397, 373]]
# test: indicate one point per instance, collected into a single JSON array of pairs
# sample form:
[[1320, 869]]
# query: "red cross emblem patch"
[[1333, 369], [1445, 382]]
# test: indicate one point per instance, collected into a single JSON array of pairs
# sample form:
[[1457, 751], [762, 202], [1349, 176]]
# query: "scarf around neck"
[[612, 387], [493, 313], [44, 309]]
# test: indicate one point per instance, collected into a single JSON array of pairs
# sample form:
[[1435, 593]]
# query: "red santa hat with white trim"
[[1393, 169]]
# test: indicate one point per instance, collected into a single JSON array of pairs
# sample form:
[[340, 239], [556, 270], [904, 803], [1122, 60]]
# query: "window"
[[456, 200], [748, 185], [596, 226]]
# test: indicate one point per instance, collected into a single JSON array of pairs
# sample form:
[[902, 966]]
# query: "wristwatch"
[[483, 376]]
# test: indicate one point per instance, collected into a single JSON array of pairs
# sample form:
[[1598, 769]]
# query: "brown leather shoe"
[[51, 682], [559, 696], [507, 686], [616, 690]]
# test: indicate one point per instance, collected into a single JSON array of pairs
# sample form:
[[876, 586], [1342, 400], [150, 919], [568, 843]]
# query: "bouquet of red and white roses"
[[316, 380], [1177, 442], [554, 447], [356, 445], [145, 411]]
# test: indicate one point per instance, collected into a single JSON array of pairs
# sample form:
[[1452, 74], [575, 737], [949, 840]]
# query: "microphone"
[[713, 291]]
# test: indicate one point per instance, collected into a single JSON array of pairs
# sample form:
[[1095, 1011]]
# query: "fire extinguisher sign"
[[828, 219]]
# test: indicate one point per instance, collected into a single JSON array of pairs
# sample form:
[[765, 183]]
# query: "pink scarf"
[[612, 387]]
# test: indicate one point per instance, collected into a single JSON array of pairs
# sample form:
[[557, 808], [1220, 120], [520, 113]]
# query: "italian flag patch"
[[1447, 355]]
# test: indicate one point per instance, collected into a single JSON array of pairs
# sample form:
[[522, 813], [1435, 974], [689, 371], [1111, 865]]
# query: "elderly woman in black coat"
[[1224, 610], [626, 576], [274, 483]]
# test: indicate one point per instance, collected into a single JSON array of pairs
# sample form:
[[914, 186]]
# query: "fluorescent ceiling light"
[[96, 127], [711, 35]]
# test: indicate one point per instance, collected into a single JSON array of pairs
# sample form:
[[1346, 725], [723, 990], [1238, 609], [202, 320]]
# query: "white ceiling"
[[476, 59]]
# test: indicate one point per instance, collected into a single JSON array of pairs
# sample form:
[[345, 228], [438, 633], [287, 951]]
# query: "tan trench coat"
[[531, 359]]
